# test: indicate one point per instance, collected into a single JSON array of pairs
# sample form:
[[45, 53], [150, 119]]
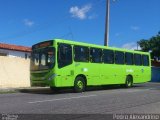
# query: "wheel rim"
[[80, 84], [129, 83]]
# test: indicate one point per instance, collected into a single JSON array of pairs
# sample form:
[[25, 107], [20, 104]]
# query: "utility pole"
[[106, 38], [137, 46]]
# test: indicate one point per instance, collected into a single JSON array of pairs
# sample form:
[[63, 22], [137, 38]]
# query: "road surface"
[[142, 98]]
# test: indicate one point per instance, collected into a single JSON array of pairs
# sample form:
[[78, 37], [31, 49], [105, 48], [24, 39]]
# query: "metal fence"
[[155, 74]]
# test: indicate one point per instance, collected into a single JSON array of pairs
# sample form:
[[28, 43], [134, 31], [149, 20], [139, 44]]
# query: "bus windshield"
[[43, 59]]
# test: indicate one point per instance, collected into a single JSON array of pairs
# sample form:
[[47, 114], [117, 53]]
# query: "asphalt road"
[[142, 98]]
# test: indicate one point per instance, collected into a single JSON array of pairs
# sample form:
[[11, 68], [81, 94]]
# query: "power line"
[[42, 28], [26, 32], [70, 30]]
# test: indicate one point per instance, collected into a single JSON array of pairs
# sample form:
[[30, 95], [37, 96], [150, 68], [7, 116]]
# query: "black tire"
[[129, 82], [79, 84]]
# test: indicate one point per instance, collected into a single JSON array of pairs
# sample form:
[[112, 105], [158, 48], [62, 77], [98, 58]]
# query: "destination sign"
[[42, 44]]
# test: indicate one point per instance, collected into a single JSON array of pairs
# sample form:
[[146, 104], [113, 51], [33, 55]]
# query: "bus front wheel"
[[79, 84], [129, 82]]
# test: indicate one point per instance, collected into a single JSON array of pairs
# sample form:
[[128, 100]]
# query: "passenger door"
[[66, 68]]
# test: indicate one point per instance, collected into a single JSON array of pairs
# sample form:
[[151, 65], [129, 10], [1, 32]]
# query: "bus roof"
[[96, 46]]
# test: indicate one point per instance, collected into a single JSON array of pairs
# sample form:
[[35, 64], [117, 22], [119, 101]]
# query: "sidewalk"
[[22, 89], [7, 90]]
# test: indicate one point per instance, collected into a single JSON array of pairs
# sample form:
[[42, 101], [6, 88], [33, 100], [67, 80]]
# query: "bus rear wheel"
[[79, 84], [129, 82]]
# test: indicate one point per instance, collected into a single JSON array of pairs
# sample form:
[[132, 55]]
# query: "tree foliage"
[[152, 44]]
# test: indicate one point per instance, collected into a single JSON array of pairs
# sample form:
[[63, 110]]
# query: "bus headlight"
[[52, 76]]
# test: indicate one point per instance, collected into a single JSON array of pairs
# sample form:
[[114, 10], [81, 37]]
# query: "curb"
[[18, 90]]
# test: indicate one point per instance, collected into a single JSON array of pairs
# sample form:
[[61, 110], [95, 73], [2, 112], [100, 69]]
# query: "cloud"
[[135, 28], [28, 22], [81, 13], [131, 46]]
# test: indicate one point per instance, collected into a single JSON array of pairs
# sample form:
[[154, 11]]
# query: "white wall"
[[12, 53], [14, 72]]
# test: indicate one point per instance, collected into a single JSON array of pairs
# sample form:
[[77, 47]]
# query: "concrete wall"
[[155, 74], [14, 72]]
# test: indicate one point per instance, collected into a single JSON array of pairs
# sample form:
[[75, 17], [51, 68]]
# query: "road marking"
[[136, 90], [62, 99], [114, 91]]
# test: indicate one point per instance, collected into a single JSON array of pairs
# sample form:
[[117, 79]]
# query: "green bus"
[[63, 63]]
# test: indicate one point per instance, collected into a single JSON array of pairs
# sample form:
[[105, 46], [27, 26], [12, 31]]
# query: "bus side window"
[[95, 55], [108, 56], [145, 60], [64, 55], [129, 58], [119, 57], [137, 59], [81, 54]]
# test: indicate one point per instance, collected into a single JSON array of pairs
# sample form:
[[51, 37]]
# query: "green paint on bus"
[[64, 63]]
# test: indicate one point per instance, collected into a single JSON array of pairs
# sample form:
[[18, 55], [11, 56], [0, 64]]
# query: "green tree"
[[152, 44]]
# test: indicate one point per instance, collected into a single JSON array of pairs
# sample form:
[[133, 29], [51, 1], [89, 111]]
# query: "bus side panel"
[[90, 70], [143, 74], [107, 74], [148, 74], [65, 76], [113, 74], [94, 74], [120, 74]]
